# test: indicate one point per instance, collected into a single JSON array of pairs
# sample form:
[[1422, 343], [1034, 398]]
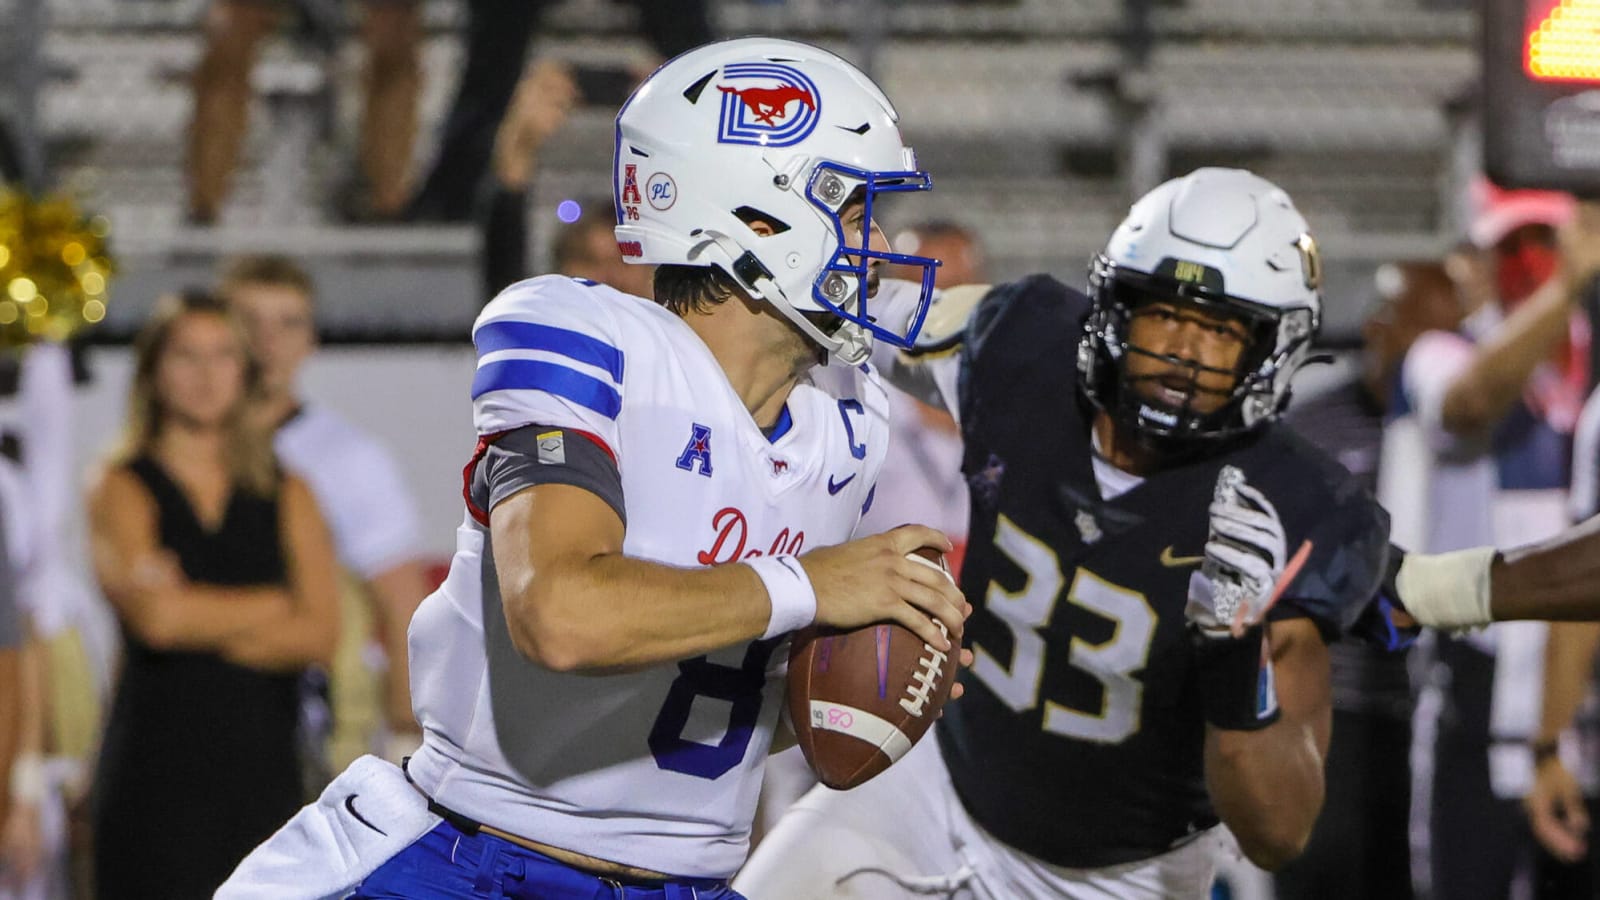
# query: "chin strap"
[[850, 344]]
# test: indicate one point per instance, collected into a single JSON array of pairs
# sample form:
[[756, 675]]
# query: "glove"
[[1244, 557], [1228, 602]]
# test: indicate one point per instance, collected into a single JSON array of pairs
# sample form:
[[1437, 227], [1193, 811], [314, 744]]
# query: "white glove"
[[1245, 555]]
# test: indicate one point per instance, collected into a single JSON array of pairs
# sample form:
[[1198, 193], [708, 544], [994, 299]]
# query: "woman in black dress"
[[222, 576]]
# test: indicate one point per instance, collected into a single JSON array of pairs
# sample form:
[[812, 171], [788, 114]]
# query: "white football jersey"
[[658, 769]]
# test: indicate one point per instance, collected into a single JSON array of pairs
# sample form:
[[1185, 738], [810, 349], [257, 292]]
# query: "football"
[[860, 699]]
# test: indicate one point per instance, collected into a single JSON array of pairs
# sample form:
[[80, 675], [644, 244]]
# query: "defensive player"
[[596, 677], [1135, 506]]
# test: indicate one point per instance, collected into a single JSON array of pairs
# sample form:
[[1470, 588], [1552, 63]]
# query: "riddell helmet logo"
[[767, 104]]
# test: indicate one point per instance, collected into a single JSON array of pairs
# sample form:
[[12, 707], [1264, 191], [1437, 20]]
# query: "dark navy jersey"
[[1080, 738]]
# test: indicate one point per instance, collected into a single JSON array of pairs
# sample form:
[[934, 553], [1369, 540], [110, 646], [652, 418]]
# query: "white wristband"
[[794, 602], [28, 782], [1447, 590]]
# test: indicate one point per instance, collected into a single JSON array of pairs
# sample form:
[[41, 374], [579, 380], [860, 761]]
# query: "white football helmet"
[[1221, 238], [756, 128]]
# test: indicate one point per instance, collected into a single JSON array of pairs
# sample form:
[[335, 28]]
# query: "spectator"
[[1477, 453], [961, 257], [586, 246], [498, 33], [71, 637], [17, 784], [1558, 810], [1359, 846], [391, 31], [221, 573], [363, 496]]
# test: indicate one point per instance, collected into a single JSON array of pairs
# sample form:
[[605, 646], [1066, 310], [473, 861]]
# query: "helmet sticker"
[[662, 191], [630, 193], [1310, 261], [1186, 272], [767, 104]]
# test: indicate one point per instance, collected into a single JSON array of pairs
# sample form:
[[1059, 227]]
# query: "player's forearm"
[[1267, 783], [1495, 379], [1267, 786], [1555, 580], [612, 613]]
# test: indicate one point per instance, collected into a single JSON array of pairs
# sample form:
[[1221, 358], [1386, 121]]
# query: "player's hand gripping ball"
[[860, 699]]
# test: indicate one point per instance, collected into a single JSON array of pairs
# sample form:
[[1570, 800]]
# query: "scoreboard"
[[1541, 80]]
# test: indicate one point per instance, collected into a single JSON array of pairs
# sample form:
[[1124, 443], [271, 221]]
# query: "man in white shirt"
[[362, 492]]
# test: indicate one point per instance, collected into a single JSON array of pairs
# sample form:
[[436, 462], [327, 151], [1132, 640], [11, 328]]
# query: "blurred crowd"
[[261, 554]]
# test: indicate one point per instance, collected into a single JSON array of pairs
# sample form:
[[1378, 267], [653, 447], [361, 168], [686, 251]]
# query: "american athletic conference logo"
[[767, 104]]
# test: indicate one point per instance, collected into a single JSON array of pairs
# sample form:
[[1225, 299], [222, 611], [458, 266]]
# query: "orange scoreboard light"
[[1541, 93]]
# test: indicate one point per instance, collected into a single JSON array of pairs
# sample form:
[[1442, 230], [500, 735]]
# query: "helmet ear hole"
[[750, 216]]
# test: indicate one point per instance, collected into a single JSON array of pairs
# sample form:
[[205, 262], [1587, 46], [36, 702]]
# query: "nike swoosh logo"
[[1175, 562], [350, 804], [834, 488]]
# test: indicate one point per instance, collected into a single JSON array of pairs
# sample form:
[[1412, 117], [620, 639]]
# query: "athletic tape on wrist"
[[1447, 590], [794, 601]]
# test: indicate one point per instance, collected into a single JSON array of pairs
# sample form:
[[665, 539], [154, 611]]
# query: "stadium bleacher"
[[1037, 129]]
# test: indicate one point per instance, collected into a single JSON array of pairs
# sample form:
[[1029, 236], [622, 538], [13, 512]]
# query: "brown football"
[[860, 699]]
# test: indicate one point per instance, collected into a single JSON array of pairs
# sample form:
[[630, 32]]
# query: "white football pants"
[[905, 834]]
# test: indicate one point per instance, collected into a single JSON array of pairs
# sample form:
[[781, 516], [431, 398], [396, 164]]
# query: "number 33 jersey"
[[1080, 738], [659, 768]]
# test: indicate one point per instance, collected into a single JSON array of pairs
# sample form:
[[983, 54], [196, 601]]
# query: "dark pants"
[[1359, 847], [1481, 844], [497, 38], [498, 32]]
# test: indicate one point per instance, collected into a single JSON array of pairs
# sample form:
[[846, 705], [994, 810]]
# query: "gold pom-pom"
[[54, 269]]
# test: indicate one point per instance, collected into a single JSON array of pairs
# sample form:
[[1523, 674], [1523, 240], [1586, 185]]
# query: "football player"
[[596, 679], [1156, 563]]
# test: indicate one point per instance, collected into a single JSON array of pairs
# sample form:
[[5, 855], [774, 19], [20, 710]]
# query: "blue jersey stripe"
[[533, 336], [552, 378]]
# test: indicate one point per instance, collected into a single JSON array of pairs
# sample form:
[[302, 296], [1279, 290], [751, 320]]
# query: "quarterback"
[[662, 490]]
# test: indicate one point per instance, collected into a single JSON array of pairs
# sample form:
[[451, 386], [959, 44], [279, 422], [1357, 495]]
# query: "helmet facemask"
[[1275, 342], [847, 280]]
